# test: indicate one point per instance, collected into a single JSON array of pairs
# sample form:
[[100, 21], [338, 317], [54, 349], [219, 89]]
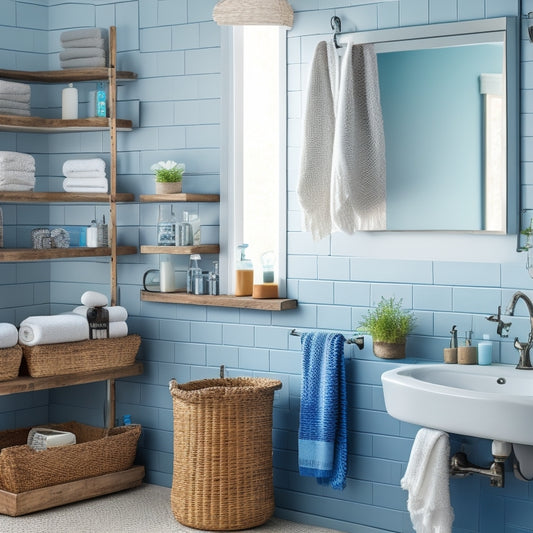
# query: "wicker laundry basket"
[[223, 452]]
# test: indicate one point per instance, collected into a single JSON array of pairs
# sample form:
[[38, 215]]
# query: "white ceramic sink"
[[491, 402]]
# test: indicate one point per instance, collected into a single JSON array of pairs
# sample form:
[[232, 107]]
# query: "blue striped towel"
[[322, 438]]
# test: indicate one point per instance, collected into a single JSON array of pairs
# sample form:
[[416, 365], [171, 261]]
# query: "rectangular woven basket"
[[97, 451], [83, 356], [10, 359]]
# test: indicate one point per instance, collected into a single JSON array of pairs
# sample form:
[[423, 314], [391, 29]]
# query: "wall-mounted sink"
[[492, 402]]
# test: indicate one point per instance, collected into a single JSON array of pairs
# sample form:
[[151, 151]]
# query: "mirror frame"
[[474, 31]]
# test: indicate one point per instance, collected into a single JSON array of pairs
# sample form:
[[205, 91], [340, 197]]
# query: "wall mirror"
[[450, 97]]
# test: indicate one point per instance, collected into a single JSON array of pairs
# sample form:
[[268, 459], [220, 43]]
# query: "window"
[[253, 161]]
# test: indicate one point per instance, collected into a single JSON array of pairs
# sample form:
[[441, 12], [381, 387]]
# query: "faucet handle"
[[503, 327]]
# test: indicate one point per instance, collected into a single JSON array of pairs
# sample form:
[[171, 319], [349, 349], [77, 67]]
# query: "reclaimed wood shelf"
[[31, 254], [12, 504], [222, 300], [58, 125], [28, 384], [181, 250], [50, 197], [66, 76], [180, 197]]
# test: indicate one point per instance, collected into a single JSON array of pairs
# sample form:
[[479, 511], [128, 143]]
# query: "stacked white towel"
[[14, 98], [83, 48], [85, 175], [8, 335], [17, 171]]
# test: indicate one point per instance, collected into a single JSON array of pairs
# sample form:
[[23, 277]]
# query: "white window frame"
[[231, 171]]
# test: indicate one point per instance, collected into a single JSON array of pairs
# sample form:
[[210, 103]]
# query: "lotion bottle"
[[69, 103]]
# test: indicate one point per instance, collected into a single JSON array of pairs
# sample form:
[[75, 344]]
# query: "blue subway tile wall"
[[174, 46]]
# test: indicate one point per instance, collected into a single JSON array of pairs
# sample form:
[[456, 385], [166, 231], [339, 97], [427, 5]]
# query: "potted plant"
[[389, 325], [168, 176]]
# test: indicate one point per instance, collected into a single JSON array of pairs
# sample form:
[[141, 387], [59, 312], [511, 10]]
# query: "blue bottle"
[[101, 104]]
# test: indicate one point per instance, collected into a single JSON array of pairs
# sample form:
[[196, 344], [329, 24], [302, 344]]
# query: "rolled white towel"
[[84, 174], [8, 335], [78, 53], [12, 87], [83, 33], [16, 161], [117, 329], [85, 184], [94, 299], [18, 112], [7, 103], [75, 165], [83, 62], [117, 313], [54, 329]]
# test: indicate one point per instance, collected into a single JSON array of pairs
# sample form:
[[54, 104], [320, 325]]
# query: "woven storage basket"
[[223, 453], [10, 359], [97, 451], [83, 356]]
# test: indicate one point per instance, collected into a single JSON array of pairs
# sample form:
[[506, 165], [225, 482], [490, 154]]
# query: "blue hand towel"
[[322, 439]]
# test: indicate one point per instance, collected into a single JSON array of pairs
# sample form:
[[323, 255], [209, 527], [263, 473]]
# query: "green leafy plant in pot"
[[389, 325], [168, 176]]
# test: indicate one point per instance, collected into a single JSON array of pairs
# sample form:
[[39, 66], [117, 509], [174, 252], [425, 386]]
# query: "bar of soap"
[[265, 290], [93, 299]]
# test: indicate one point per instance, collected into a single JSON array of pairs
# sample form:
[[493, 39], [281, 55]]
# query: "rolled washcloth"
[[17, 161], [75, 165], [11, 111], [117, 313], [54, 329], [8, 335], [79, 53], [85, 33], [85, 184], [7, 103], [83, 62], [85, 174], [12, 90]]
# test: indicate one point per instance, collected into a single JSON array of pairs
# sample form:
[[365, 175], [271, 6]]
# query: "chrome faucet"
[[523, 348]]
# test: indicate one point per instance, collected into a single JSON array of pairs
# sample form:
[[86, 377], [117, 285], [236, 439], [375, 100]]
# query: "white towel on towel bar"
[[117, 313], [427, 481], [53, 329], [9, 335], [73, 165]]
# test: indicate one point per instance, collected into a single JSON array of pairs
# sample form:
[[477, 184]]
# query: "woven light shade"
[[249, 12]]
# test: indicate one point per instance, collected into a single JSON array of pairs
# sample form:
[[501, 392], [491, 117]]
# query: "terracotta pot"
[[389, 350], [167, 187]]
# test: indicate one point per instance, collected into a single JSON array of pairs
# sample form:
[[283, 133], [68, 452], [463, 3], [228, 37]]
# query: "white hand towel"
[[85, 174], [16, 161], [14, 176], [83, 33], [14, 88], [20, 98], [358, 195], [9, 335], [7, 103], [427, 480], [73, 165], [78, 53], [317, 141], [18, 112], [82, 62], [117, 313], [89, 184], [68, 327]]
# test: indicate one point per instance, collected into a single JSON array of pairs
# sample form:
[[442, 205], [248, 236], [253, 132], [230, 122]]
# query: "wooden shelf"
[[30, 254], [179, 197], [57, 125], [181, 250], [49, 197], [222, 300], [65, 76], [28, 384]]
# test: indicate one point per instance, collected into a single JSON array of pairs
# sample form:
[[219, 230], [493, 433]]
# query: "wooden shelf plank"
[[49, 197], [12, 504], [28, 384], [30, 254], [181, 250], [222, 300], [57, 125], [180, 197], [65, 76]]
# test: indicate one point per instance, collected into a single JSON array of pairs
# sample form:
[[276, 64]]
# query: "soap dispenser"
[[244, 273], [450, 354], [467, 354]]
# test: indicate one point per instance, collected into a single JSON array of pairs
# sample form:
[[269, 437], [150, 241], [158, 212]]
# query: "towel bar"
[[358, 341]]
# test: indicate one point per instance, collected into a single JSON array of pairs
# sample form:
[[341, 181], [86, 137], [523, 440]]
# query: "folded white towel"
[[89, 42], [83, 62], [21, 98], [6, 103], [74, 165], [16, 187], [14, 88], [85, 174], [117, 313], [90, 184], [358, 193], [117, 329], [17, 161], [83, 33], [91, 190], [317, 141], [78, 53], [427, 480], [68, 327], [17, 179], [18, 112], [8, 335]]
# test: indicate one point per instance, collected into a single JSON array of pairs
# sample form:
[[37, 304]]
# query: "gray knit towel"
[[83, 62], [84, 33], [77, 53]]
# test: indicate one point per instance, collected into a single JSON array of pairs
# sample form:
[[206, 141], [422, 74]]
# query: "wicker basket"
[[97, 451], [10, 359], [83, 356], [223, 453]]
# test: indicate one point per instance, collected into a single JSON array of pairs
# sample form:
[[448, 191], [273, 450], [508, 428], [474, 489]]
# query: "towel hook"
[[336, 26]]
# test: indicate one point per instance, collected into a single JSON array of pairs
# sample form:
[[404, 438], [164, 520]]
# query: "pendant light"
[[250, 12]]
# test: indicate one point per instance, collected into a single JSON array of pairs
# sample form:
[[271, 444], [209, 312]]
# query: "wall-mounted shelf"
[[181, 250], [222, 300], [180, 197], [69, 197], [57, 125], [66, 76], [31, 254]]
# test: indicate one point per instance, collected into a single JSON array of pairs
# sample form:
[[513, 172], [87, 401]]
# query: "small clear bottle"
[[214, 280], [103, 233], [185, 237], [193, 272], [166, 226], [244, 273]]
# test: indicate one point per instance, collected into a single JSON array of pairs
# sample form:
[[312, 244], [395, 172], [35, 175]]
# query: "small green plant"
[[388, 322], [168, 171]]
